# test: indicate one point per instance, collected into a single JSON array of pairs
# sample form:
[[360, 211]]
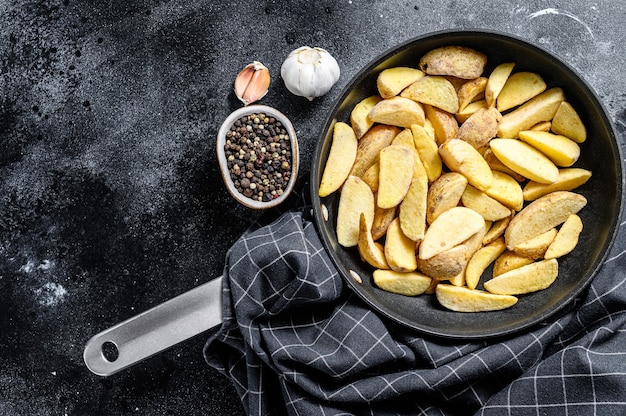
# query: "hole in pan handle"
[[155, 330]]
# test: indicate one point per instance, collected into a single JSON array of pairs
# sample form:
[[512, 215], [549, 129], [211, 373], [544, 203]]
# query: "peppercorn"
[[259, 152]]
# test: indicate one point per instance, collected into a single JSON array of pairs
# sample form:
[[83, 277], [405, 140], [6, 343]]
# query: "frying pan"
[[200, 309]]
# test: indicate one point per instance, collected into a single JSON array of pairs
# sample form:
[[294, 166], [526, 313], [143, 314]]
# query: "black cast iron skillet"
[[599, 153]]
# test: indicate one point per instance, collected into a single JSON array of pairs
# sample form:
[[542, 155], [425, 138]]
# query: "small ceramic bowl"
[[221, 155]]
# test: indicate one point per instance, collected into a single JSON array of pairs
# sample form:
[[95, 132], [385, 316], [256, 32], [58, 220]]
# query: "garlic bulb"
[[309, 72]]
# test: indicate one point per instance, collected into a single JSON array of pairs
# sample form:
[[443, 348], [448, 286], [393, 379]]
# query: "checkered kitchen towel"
[[296, 341]]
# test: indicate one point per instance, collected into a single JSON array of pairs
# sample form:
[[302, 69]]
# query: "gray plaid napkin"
[[296, 341]]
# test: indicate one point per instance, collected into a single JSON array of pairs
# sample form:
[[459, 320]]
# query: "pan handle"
[[155, 330]]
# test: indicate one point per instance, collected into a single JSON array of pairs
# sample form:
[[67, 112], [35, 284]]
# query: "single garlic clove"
[[252, 83]]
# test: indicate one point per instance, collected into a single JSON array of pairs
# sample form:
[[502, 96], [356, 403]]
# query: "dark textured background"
[[111, 200]]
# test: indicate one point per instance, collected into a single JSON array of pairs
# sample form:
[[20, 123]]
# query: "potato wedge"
[[433, 90], [480, 127], [340, 159], [496, 230], [464, 113], [395, 175], [506, 190], [463, 299], [428, 152], [496, 81], [443, 123], [481, 260], [519, 88], [397, 111], [537, 109], [542, 126], [412, 212], [446, 265], [402, 283], [486, 206], [392, 81], [472, 90], [496, 165], [509, 260], [460, 156], [542, 214], [370, 177], [456, 61], [568, 179], [566, 239], [449, 229], [369, 250], [382, 219], [370, 145], [444, 193], [535, 248], [356, 198], [525, 160], [399, 249], [526, 279], [567, 122], [360, 115], [562, 151]]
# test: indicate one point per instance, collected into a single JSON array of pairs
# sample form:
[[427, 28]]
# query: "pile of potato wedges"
[[449, 172]]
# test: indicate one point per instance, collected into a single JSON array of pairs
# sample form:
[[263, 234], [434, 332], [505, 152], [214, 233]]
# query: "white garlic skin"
[[310, 72]]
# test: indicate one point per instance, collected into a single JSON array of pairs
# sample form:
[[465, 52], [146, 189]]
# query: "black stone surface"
[[111, 200]]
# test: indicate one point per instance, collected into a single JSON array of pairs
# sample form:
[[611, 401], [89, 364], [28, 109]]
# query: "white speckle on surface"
[[28, 267], [559, 12], [50, 294]]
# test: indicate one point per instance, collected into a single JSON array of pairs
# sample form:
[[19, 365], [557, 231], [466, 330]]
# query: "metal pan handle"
[[155, 330]]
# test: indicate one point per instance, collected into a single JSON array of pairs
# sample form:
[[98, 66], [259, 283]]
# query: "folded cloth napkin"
[[295, 340]]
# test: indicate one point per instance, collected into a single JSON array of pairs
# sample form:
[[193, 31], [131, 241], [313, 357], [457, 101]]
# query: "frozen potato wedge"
[[519, 88], [370, 177], [456, 61], [444, 193], [444, 124], [399, 249], [356, 198], [562, 151], [496, 81], [382, 219], [566, 239], [509, 260], [480, 127], [360, 115], [496, 165], [542, 214], [450, 228], [397, 111], [463, 299], [412, 212], [496, 230], [486, 206], [445, 265], [370, 251], [525, 279], [402, 283], [460, 156], [395, 175], [472, 90], [433, 90], [567, 122], [340, 159], [524, 159], [481, 260], [506, 190], [568, 179], [370, 145], [542, 126], [428, 152], [464, 113], [392, 81], [536, 247], [539, 108]]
